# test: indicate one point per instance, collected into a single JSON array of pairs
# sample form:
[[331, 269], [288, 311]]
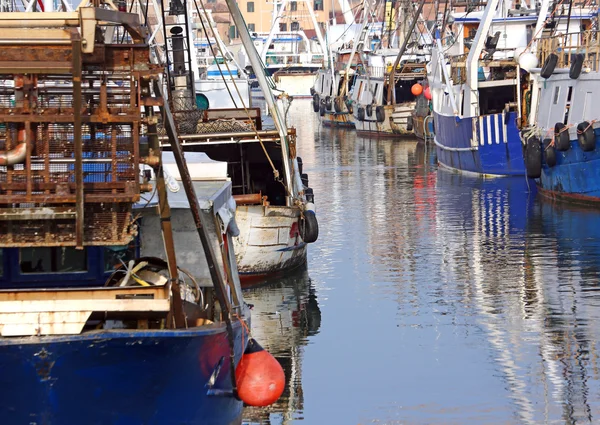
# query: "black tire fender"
[[316, 102], [328, 103], [361, 113], [338, 104], [322, 109], [369, 110], [309, 227], [309, 194], [561, 137], [549, 66], [380, 113], [549, 153], [300, 165], [533, 157], [576, 66], [586, 136]]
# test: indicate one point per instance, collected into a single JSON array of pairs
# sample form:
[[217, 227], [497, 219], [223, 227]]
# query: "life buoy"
[[561, 137], [338, 104], [549, 153], [549, 66], [316, 102], [322, 109], [586, 136], [409, 124], [576, 65], [328, 103], [361, 113], [369, 110], [533, 157], [380, 113], [309, 227]]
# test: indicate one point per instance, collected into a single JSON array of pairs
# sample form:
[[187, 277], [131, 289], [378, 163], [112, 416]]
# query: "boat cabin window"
[[403, 91], [556, 93], [493, 100], [52, 260], [568, 105]]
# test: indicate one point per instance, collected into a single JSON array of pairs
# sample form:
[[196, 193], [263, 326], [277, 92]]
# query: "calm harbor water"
[[430, 297]]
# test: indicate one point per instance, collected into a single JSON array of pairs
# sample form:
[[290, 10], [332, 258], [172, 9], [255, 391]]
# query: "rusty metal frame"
[[64, 47]]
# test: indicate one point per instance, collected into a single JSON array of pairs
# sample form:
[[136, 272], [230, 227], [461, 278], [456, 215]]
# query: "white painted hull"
[[269, 240], [394, 124]]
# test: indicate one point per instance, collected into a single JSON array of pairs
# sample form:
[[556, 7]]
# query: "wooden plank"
[[42, 213], [156, 292], [124, 305]]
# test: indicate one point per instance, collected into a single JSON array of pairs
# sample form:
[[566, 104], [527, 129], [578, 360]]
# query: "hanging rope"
[[274, 169]]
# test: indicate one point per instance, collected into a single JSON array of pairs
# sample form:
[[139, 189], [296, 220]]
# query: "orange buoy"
[[416, 89], [427, 93], [259, 376]]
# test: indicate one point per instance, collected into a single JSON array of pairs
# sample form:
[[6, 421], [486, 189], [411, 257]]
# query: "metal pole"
[[261, 76], [186, 180], [392, 77]]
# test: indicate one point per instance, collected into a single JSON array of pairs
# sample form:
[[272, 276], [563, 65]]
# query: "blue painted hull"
[[118, 377], [576, 175], [497, 149]]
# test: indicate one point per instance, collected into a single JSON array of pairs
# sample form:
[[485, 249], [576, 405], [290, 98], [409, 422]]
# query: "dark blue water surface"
[[431, 297]]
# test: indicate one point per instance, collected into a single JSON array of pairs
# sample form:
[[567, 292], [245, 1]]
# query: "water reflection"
[[285, 314], [445, 299]]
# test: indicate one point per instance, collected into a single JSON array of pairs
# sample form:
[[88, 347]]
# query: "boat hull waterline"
[[486, 145], [576, 175], [115, 377], [269, 240]]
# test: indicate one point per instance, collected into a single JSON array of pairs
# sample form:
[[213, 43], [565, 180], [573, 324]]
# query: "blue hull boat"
[[576, 175], [119, 377], [493, 148]]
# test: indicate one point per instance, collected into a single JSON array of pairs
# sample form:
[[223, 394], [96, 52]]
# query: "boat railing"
[[566, 46], [458, 69]]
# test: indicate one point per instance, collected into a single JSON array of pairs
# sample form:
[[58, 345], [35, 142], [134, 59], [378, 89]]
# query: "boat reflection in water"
[[533, 271], [285, 314]]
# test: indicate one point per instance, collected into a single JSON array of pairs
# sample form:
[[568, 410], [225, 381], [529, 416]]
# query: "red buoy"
[[260, 378], [416, 89], [427, 93]]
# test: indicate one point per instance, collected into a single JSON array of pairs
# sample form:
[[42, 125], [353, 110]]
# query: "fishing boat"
[[334, 83], [330, 98], [383, 97], [421, 118], [476, 86], [561, 137], [275, 205], [287, 54], [80, 340]]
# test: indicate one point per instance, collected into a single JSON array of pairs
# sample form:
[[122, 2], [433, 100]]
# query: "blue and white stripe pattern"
[[491, 129]]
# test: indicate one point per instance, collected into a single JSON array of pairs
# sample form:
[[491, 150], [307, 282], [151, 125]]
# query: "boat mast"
[[391, 94], [261, 76], [359, 37]]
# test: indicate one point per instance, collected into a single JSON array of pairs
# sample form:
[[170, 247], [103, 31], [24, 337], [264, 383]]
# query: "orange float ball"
[[427, 93], [259, 376], [416, 89]]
